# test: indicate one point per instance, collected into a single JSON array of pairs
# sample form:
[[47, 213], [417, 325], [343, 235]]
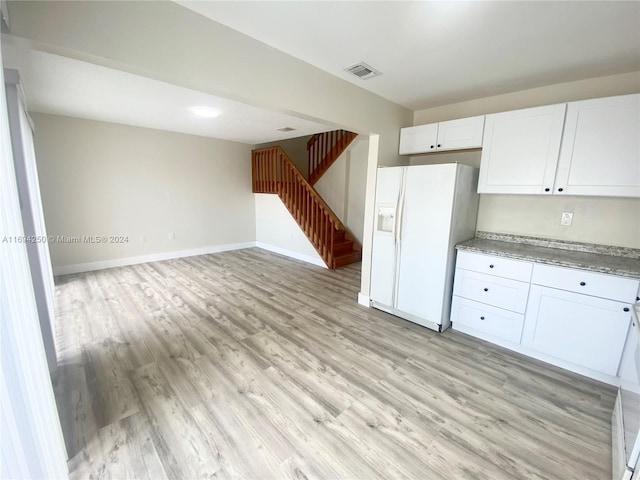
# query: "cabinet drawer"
[[499, 292], [493, 265], [588, 283], [486, 319]]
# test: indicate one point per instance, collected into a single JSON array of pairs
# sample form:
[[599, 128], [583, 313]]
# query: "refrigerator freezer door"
[[383, 266], [424, 239]]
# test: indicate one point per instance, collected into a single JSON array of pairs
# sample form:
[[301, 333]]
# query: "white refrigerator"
[[422, 212]]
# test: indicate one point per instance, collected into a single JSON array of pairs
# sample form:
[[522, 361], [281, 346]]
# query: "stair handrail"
[[300, 177], [274, 172], [321, 157]]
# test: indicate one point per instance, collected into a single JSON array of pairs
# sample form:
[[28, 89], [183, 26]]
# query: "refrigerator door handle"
[[401, 215], [397, 234], [396, 215]]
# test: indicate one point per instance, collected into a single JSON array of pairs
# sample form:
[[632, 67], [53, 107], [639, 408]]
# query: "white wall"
[[106, 179], [604, 220], [276, 230], [558, 93], [343, 186], [608, 221]]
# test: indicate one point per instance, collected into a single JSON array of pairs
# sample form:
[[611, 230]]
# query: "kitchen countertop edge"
[[593, 262]]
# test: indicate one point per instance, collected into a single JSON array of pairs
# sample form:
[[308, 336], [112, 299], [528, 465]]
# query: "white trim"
[[364, 300], [154, 257], [290, 253]]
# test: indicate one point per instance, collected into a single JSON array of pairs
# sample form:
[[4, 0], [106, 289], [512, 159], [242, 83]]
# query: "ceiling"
[[430, 54], [433, 53], [64, 86]]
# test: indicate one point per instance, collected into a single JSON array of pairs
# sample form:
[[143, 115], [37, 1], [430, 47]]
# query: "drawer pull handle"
[[626, 309], [491, 266], [582, 284], [486, 289], [481, 318]]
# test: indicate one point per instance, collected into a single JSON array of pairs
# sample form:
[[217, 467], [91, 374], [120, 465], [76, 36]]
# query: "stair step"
[[338, 236], [347, 259], [343, 247]]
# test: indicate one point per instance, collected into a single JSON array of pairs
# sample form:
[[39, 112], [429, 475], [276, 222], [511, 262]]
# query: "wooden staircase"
[[273, 172], [324, 148]]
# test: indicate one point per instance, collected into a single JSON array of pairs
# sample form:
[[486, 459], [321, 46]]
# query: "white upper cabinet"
[[600, 152], [437, 137], [420, 139], [520, 150], [462, 133]]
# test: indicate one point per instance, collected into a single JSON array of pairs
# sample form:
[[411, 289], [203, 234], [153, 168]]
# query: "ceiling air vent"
[[286, 129], [363, 71]]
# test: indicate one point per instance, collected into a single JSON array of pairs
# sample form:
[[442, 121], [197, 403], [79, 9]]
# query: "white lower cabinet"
[[585, 330], [572, 318]]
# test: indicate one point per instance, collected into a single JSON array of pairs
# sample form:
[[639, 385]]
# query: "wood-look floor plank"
[[249, 365], [183, 447]]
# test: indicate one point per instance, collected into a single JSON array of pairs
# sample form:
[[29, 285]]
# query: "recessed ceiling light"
[[286, 129], [206, 112]]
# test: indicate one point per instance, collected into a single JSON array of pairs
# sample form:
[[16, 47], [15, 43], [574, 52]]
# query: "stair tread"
[[347, 259]]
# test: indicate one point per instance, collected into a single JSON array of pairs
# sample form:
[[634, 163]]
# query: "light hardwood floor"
[[250, 365]]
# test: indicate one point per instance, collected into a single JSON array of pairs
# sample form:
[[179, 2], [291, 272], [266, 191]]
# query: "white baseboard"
[[364, 300], [290, 253], [529, 352], [154, 257]]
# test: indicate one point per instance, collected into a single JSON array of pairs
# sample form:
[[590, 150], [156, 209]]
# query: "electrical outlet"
[[172, 236], [566, 219]]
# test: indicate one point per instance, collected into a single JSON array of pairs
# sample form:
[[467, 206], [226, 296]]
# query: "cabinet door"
[[520, 150], [587, 331], [418, 139], [601, 148], [458, 134]]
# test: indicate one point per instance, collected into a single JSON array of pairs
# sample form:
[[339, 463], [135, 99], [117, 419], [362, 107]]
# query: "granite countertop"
[[595, 258]]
